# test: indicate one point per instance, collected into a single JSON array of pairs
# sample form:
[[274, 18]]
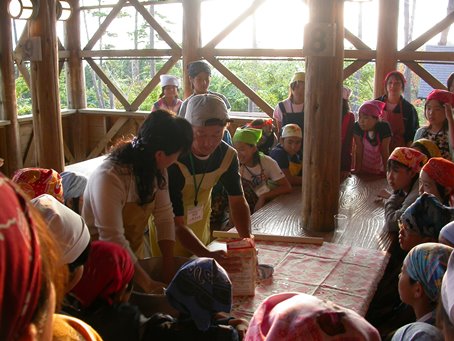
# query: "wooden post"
[[192, 38], [12, 156], [388, 17], [76, 82], [323, 47], [47, 125]]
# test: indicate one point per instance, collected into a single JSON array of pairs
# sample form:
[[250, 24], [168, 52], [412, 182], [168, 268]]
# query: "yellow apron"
[[201, 228], [294, 168], [135, 221]]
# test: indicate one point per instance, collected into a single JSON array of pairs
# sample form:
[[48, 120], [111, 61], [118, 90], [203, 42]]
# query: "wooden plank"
[[153, 23], [153, 83], [115, 90], [102, 28], [240, 85], [414, 56], [108, 137], [271, 237], [68, 155], [424, 74], [430, 33], [234, 24]]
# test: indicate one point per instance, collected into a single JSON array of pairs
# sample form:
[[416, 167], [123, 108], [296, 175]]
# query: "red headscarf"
[[37, 181], [442, 96], [372, 108], [441, 171], [20, 263], [397, 74], [108, 270], [409, 157]]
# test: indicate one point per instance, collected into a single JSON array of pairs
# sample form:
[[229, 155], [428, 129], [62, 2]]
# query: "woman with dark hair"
[[399, 113], [131, 186], [450, 82]]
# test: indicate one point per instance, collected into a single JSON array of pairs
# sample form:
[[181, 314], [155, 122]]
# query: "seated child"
[[420, 279], [422, 221], [403, 167], [372, 137], [438, 112], [73, 189], [202, 293], [437, 178], [101, 296], [288, 153], [293, 316], [261, 176], [427, 147], [269, 138], [37, 181], [446, 235], [70, 232]]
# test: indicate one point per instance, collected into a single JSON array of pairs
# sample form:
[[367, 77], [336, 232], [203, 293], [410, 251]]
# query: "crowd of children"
[[69, 246]]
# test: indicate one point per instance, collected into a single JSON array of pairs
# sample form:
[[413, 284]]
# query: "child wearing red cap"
[[437, 178], [440, 128], [372, 138], [398, 112]]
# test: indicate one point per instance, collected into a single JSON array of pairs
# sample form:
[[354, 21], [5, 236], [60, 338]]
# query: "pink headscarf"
[[37, 181], [442, 96], [108, 270], [294, 316], [372, 108], [20, 263]]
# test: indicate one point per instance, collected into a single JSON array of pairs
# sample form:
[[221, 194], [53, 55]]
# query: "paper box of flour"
[[243, 282]]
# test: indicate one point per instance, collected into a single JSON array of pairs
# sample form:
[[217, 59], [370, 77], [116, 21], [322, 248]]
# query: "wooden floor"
[[357, 201]]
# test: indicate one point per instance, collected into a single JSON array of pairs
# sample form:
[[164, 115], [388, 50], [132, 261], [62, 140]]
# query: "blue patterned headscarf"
[[427, 216], [426, 263], [200, 289]]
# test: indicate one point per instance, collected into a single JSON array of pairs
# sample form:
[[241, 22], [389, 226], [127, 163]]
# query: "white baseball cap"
[[169, 80], [292, 130], [207, 110]]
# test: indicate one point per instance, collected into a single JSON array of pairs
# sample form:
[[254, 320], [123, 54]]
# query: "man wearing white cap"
[[192, 178], [168, 99]]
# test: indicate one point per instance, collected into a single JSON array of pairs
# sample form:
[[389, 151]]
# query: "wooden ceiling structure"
[[53, 137]]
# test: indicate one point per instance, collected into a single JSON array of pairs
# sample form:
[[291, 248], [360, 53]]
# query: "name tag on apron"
[[195, 214]]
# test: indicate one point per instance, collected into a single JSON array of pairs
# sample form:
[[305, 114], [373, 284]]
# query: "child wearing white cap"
[[288, 153], [168, 99]]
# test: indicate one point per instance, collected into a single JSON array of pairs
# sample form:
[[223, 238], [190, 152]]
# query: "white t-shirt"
[[109, 188], [289, 107], [271, 170]]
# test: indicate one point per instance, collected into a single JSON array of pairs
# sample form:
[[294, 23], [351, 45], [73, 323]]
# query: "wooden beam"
[[102, 28], [429, 34], [353, 67], [271, 237], [322, 119], [68, 155], [153, 83], [234, 24], [76, 84], [101, 145], [29, 150], [153, 23], [116, 91], [425, 56], [192, 39], [240, 85], [47, 124], [421, 72], [129, 53], [358, 43], [13, 159], [388, 17]]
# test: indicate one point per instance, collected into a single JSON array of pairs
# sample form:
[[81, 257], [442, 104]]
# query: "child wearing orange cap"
[[440, 128], [372, 138], [437, 178], [404, 165]]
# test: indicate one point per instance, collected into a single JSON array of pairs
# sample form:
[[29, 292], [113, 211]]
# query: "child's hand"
[[260, 203], [240, 325], [384, 194], [448, 112]]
